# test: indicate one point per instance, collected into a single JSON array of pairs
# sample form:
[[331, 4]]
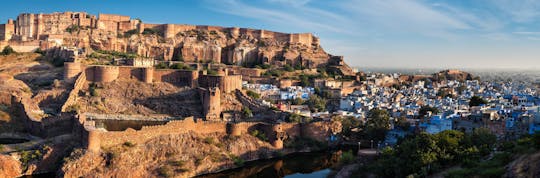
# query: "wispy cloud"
[[299, 16], [520, 11]]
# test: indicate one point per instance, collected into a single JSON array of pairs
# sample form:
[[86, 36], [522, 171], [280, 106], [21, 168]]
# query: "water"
[[300, 165], [121, 125], [12, 140], [44, 175]]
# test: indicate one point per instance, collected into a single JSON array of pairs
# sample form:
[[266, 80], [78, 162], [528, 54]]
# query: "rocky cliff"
[[183, 155], [221, 45]]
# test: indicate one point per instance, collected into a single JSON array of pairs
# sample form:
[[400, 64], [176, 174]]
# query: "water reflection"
[[12, 140], [296, 165]]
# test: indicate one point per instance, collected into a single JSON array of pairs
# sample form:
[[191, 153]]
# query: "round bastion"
[[106, 73], [71, 70]]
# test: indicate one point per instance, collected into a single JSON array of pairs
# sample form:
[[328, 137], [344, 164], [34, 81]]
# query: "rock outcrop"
[[9, 167], [190, 43]]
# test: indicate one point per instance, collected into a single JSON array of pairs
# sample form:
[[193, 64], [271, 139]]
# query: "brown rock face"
[[9, 167], [190, 43]]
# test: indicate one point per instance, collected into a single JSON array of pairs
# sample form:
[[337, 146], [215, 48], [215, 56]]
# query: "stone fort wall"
[[102, 73], [96, 139]]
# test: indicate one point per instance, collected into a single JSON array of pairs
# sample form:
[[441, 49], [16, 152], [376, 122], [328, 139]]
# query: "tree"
[[347, 123], [425, 109], [402, 123], [316, 103], [377, 125], [477, 101], [7, 50], [253, 94]]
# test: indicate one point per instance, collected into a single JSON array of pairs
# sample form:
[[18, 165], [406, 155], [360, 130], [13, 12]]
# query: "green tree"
[[477, 101], [347, 124], [425, 109], [402, 123], [377, 125], [253, 94], [8, 50], [316, 103]]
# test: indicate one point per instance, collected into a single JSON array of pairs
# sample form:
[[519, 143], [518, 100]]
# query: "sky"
[[368, 33]]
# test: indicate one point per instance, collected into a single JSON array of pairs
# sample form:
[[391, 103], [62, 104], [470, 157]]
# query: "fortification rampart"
[[106, 73], [96, 139], [227, 83], [74, 93]]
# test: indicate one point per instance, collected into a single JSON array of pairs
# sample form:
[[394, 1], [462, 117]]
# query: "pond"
[[298, 165], [121, 125], [6, 141]]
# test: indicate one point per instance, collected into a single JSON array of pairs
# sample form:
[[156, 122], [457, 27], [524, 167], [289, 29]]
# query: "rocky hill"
[[177, 42]]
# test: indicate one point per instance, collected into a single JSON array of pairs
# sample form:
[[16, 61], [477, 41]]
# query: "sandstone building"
[[189, 43]]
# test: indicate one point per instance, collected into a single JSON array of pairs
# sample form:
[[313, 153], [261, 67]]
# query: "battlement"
[[276, 133]]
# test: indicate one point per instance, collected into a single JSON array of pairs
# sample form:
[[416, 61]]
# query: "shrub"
[[39, 51], [181, 66], [162, 66], [209, 140], [346, 157], [237, 160], [93, 90], [1, 147], [150, 31], [129, 33], [73, 108], [247, 112], [260, 135], [7, 50], [129, 144], [72, 28], [165, 171], [253, 94], [178, 163]]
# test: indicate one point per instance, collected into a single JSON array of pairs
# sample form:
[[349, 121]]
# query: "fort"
[[189, 43]]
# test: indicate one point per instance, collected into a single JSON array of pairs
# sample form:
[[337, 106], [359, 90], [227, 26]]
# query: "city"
[[90, 91]]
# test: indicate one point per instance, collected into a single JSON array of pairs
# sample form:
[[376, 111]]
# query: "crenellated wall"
[[276, 133]]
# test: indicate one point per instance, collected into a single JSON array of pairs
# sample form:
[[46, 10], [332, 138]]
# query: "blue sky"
[[369, 33]]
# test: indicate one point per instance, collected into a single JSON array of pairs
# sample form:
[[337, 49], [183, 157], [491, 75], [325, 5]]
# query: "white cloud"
[[519, 10]]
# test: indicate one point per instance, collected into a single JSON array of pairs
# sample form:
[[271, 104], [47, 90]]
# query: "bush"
[[72, 28], [253, 94], [39, 51], [73, 108], [1, 147], [347, 157], [150, 31], [181, 66], [7, 50], [165, 171], [129, 144], [130, 33], [209, 140], [247, 112], [93, 90], [296, 118], [162, 66], [260, 135], [178, 163], [237, 160]]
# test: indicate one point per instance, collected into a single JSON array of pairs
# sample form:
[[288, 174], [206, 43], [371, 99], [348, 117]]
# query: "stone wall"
[[74, 93], [177, 77], [96, 139], [227, 83]]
